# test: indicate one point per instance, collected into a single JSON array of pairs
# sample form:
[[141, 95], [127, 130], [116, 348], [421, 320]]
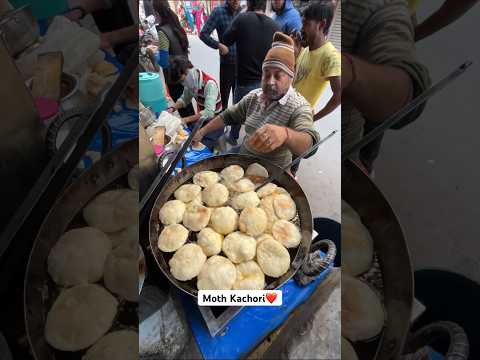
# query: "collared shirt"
[[220, 19], [210, 92], [291, 111], [364, 34], [211, 95]]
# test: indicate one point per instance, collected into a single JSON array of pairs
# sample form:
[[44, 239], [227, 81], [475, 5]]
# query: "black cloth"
[[148, 7], [175, 47], [115, 18], [331, 230], [448, 296], [227, 82], [253, 35]]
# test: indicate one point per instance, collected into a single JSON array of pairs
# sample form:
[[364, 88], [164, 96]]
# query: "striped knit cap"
[[282, 54]]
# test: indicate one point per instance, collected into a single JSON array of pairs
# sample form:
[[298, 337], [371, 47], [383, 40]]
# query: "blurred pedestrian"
[[287, 16], [252, 32], [318, 61], [219, 20], [187, 8], [204, 89], [198, 13], [278, 120], [172, 42]]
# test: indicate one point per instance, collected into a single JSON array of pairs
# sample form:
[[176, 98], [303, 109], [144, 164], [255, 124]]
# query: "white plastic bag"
[[76, 43], [171, 123]]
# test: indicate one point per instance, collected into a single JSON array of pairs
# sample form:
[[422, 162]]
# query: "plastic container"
[[152, 93], [47, 110], [43, 9]]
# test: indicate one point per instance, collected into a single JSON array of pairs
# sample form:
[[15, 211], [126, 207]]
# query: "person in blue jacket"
[[287, 16]]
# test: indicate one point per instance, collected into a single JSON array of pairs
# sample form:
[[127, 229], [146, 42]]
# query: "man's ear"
[[321, 25]]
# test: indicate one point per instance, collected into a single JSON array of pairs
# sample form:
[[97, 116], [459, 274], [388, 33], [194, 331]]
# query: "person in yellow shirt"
[[413, 5], [318, 62]]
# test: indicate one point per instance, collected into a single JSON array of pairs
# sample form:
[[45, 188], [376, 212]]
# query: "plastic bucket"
[[152, 93]]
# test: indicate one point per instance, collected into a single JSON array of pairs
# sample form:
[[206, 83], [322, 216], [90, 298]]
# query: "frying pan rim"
[[382, 350], [305, 242], [125, 149]]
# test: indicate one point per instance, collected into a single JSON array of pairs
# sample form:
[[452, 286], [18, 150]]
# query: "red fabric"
[[200, 98], [46, 108]]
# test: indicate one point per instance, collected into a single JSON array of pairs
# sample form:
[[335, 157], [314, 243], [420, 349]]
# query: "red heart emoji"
[[271, 297]]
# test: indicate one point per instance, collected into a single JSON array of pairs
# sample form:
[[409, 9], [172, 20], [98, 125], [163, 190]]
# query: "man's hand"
[[153, 48], [198, 136], [223, 49], [335, 100], [190, 119], [347, 71], [363, 83], [175, 107], [106, 41], [149, 52], [268, 138], [75, 14]]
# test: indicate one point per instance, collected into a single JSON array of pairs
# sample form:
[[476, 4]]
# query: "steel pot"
[[298, 255]]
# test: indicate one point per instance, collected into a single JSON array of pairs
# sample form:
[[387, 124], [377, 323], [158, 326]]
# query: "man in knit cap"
[[278, 120]]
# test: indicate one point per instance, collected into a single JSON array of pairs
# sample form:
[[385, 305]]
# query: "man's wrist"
[[76, 13], [288, 136], [353, 72], [317, 116], [111, 37]]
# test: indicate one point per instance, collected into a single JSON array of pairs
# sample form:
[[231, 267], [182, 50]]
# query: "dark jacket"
[[175, 48], [253, 35]]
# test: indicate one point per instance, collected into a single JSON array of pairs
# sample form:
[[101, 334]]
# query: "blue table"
[[250, 326]]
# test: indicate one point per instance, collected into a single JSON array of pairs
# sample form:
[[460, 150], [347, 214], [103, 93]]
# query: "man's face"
[[277, 5], [234, 4], [310, 30], [275, 83], [182, 78], [158, 18]]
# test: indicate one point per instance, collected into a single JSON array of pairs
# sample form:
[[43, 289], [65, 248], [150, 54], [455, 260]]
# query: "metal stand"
[[216, 324]]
